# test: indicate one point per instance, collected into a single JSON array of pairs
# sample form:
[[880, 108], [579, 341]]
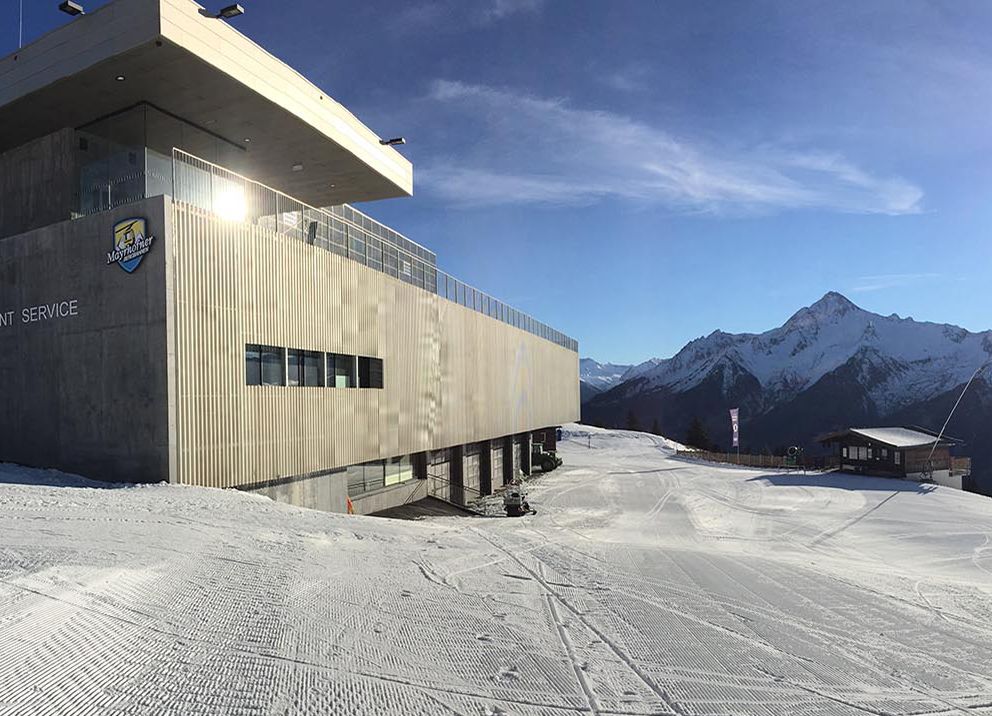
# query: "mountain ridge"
[[830, 365]]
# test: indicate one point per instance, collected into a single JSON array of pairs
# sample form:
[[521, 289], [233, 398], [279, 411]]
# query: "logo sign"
[[735, 425], [131, 243]]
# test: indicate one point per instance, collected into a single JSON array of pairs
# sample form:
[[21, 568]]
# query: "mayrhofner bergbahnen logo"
[[131, 243]]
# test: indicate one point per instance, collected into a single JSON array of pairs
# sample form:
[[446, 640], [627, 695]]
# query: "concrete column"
[[456, 493], [485, 468], [525, 461], [507, 459]]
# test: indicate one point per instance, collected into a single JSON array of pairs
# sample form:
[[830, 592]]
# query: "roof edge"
[[216, 43]]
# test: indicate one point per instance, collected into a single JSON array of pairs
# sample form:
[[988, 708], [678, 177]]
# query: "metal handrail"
[[447, 483], [308, 221]]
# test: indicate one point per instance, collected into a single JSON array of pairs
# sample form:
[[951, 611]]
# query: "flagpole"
[[20, 25]]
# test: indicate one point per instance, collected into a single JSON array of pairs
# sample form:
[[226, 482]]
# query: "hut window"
[[898, 456], [843, 451]]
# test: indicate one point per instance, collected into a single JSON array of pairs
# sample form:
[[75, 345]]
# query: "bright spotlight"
[[230, 204]]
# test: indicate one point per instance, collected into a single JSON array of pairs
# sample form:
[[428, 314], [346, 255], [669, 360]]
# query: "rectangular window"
[[897, 456], [313, 369], [253, 365], [370, 372], [294, 367], [364, 373], [273, 365], [885, 454], [843, 451], [356, 248], [366, 478], [375, 373], [399, 469], [305, 368], [340, 371]]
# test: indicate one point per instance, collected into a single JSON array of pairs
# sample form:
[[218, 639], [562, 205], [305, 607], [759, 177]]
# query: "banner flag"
[[735, 426]]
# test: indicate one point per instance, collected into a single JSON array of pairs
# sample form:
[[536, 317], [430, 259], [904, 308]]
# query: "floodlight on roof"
[[229, 12], [392, 142], [71, 8]]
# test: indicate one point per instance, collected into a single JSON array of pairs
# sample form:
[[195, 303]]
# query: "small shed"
[[898, 452]]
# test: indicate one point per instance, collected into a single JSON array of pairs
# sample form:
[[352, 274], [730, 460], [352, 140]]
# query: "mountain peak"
[[833, 305], [833, 302]]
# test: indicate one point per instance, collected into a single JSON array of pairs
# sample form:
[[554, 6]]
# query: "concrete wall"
[[388, 497], [85, 391], [38, 183], [318, 492], [452, 375]]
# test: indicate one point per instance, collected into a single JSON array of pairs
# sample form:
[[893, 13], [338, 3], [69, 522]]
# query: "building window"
[[294, 369], [305, 368], [340, 371], [253, 365], [366, 478], [885, 453], [843, 451], [263, 365], [897, 456], [313, 369], [370, 372], [399, 469]]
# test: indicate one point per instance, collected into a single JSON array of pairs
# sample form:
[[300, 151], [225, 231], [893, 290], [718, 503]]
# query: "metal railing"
[[778, 462], [442, 488], [342, 230]]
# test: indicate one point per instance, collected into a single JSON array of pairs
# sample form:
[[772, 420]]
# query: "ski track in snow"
[[644, 585]]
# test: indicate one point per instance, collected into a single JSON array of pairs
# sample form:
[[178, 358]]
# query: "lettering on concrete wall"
[[54, 311]]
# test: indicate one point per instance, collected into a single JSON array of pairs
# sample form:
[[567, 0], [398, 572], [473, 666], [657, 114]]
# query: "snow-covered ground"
[[644, 585]]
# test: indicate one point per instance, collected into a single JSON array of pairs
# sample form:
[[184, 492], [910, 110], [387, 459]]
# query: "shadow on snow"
[[844, 481]]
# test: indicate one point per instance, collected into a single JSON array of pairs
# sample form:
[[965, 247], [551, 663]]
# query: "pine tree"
[[655, 427], [632, 422], [697, 436]]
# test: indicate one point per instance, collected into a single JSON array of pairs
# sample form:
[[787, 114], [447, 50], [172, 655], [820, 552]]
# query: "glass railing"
[[339, 229]]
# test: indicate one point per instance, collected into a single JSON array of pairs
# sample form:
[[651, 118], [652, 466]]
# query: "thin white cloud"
[[544, 151], [881, 282], [457, 15], [631, 78], [498, 9]]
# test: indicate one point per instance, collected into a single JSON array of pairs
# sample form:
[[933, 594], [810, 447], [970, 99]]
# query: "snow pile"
[[644, 585]]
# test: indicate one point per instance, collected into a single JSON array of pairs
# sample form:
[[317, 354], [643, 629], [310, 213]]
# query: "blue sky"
[[639, 173]]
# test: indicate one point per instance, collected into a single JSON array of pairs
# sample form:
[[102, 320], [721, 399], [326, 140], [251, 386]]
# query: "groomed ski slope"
[[644, 585]]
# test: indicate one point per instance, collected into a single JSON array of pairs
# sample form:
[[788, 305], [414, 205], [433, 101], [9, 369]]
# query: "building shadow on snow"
[[845, 481], [35, 477]]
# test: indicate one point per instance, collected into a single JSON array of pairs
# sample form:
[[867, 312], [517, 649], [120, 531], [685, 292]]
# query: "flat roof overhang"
[[202, 70]]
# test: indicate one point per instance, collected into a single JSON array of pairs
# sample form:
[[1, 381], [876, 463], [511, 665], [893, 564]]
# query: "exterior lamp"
[[71, 8], [229, 12], [392, 142]]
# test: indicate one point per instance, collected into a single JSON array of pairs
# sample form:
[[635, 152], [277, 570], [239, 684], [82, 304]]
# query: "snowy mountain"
[[601, 376], [831, 364], [900, 360], [636, 370], [595, 377]]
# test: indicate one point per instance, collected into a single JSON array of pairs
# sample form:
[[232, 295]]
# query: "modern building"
[[186, 293], [909, 453]]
